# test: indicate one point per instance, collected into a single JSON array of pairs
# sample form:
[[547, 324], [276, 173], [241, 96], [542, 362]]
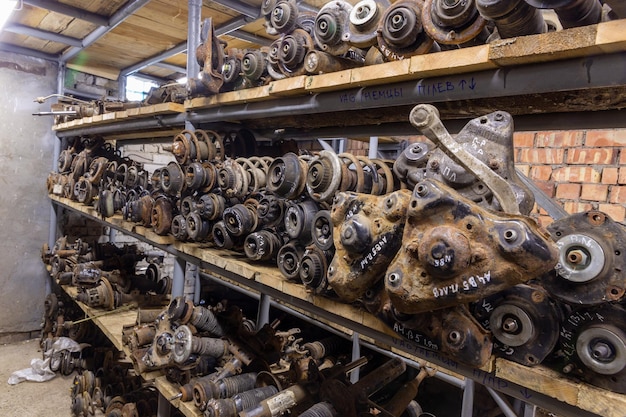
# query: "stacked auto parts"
[[342, 35]]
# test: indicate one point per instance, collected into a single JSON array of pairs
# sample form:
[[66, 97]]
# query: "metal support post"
[[122, 87], [193, 37], [263, 313], [189, 287], [467, 406], [164, 407], [178, 278], [504, 405], [373, 150], [52, 231], [530, 410], [356, 354], [112, 235]]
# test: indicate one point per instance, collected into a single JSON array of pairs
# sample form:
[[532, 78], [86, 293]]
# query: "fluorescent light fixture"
[[6, 8]]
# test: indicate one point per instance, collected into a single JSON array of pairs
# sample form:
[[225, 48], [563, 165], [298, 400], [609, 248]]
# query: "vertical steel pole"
[[193, 37], [263, 313], [467, 406], [178, 279], [373, 150], [52, 231], [356, 354]]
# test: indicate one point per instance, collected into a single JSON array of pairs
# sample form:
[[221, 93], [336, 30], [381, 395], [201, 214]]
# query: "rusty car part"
[[320, 62], [454, 22], [222, 237], [298, 219], [323, 230], [139, 210], [279, 403], [110, 202], [172, 179], [186, 344], [401, 33], [273, 61], [200, 176], [454, 251], [366, 237], [452, 331], [254, 67], [287, 176], [280, 16], [232, 179], [289, 259], [206, 389], [480, 158], [210, 56], [572, 13], [241, 219], [85, 191], [197, 228], [363, 24], [292, 51], [202, 318], [403, 397], [512, 17], [270, 211], [314, 267], [524, 320], [351, 399], [593, 343], [262, 245], [331, 27], [410, 166], [178, 228], [230, 407], [161, 215], [591, 263]]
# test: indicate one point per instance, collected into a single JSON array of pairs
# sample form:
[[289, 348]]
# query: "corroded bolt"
[[577, 257], [510, 325], [510, 235]]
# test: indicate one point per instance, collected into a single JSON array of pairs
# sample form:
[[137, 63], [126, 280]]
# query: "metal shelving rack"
[[463, 83]]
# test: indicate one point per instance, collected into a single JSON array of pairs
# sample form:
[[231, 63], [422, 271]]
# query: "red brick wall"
[[582, 170]]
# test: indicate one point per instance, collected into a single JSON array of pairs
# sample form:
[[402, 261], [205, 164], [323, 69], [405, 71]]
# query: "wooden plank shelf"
[[500, 374]]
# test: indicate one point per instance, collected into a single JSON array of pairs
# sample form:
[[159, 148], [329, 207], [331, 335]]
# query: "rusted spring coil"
[[198, 145]]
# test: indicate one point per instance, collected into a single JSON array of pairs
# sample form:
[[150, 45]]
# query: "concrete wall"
[[26, 148]]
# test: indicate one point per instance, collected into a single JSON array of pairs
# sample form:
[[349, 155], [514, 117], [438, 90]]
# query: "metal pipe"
[[504, 405], [263, 314], [250, 37], [55, 6], [372, 152], [43, 34], [118, 17], [467, 404], [178, 278], [241, 7], [230, 25], [121, 127], [356, 354], [171, 67], [180, 48], [193, 37], [6, 47]]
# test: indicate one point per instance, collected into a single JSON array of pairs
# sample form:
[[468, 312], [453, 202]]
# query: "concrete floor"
[[32, 399]]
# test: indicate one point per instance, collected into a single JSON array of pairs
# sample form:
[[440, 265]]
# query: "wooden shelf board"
[[111, 324]]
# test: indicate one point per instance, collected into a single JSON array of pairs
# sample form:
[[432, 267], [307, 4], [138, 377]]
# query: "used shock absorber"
[[230, 407], [401, 33], [454, 22], [200, 317], [591, 259], [364, 19], [206, 389], [572, 13], [186, 344], [331, 24], [512, 17]]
